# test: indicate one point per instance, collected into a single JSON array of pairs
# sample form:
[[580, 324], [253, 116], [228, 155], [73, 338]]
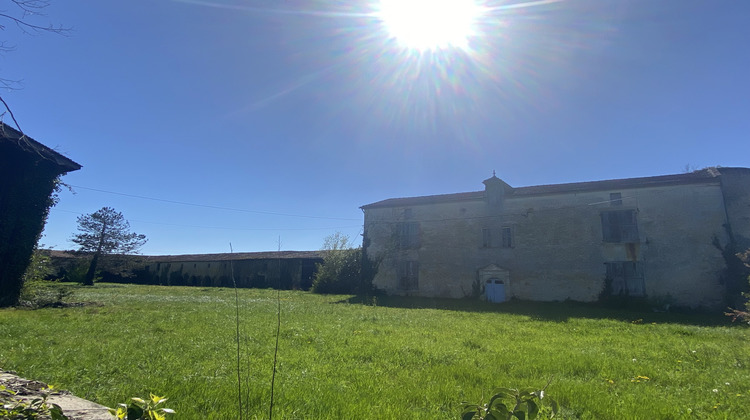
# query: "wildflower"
[[715, 390]]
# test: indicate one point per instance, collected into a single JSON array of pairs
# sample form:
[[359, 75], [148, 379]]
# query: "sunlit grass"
[[399, 358]]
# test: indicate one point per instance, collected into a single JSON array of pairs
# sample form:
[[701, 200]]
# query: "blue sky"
[[295, 113]]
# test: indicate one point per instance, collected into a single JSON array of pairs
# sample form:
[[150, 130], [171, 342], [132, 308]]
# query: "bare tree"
[[105, 232], [24, 15]]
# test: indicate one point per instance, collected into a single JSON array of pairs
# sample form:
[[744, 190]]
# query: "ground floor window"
[[408, 275], [626, 278]]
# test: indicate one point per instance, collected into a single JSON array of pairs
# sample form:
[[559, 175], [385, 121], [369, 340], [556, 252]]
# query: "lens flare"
[[430, 24]]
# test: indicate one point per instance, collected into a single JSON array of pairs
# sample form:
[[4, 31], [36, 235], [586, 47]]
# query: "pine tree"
[[105, 232]]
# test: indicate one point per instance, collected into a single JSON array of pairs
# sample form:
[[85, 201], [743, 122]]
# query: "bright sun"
[[430, 24]]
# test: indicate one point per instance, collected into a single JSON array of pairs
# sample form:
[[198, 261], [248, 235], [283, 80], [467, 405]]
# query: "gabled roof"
[[13, 137], [707, 175]]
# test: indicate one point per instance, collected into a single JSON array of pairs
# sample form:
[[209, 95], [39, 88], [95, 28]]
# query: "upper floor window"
[[615, 199], [619, 226], [497, 237], [408, 235], [506, 237]]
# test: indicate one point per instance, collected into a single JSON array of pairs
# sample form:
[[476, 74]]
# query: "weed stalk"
[[237, 331]]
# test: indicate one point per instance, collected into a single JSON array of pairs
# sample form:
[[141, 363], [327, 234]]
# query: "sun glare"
[[430, 24]]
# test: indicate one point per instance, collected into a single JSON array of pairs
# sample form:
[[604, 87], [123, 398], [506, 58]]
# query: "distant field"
[[394, 358]]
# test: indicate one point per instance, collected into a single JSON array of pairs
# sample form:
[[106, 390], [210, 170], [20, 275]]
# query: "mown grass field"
[[394, 358]]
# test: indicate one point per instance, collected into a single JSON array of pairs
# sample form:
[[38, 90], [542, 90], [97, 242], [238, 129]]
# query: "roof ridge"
[[702, 175]]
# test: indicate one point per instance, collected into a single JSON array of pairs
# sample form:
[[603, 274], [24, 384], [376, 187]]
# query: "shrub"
[[739, 314], [344, 269], [339, 272], [44, 294], [508, 403], [142, 409]]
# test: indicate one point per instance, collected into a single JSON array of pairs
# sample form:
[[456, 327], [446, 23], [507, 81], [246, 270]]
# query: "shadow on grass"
[[633, 312]]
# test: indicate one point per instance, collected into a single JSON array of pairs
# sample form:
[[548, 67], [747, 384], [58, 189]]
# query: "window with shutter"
[[507, 236], [408, 235], [620, 226], [497, 237]]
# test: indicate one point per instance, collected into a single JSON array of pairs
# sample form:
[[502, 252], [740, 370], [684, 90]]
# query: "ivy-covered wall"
[[28, 178]]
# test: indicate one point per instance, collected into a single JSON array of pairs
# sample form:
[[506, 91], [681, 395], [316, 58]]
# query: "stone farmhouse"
[[653, 237]]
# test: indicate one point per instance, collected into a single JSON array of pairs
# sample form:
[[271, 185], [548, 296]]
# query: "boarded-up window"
[[408, 275], [408, 235], [619, 226], [497, 237], [626, 278]]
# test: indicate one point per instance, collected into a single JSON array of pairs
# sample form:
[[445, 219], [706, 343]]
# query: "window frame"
[[620, 226], [409, 234], [498, 237]]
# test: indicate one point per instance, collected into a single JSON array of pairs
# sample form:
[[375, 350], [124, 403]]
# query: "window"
[[619, 226], [408, 235], [408, 275], [486, 238], [408, 214], [615, 199], [507, 237], [497, 237], [626, 278]]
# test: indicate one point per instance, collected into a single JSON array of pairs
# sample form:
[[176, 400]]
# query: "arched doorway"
[[496, 282]]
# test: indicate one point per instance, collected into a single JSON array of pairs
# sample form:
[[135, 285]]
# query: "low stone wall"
[[74, 407]]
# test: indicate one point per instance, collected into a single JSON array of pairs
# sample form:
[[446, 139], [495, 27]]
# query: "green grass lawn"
[[393, 358]]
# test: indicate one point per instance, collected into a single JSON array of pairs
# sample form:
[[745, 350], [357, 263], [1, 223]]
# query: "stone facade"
[[652, 237]]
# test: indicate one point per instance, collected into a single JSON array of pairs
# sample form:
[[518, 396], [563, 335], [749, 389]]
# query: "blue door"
[[495, 290]]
